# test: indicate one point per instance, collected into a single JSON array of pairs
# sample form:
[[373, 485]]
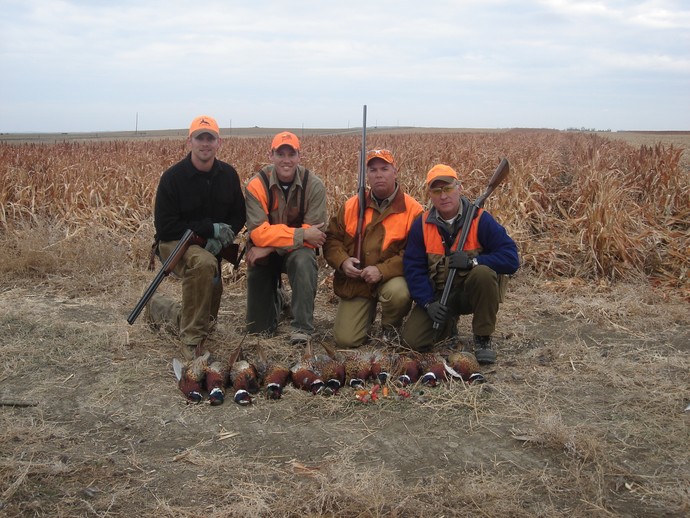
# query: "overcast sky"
[[109, 65]]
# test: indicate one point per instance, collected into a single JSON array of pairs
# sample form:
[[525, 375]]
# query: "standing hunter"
[[286, 213], [379, 278], [202, 194], [488, 255]]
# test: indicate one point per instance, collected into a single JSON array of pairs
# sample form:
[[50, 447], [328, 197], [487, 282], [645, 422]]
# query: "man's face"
[[204, 147], [445, 197], [285, 159], [381, 176]]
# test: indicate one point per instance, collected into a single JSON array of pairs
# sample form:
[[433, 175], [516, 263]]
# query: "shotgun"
[[361, 193], [499, 175], [231, 254], [166, 269]]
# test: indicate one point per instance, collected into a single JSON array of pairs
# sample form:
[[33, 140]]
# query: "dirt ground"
[[583, 415]]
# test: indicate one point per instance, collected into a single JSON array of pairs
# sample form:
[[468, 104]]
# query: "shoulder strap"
[[269, 192], [300, 218]]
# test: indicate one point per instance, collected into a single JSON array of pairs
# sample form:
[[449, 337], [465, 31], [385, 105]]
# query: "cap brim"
[[446, 179], [391, 162], [288, 145], [202, 131]]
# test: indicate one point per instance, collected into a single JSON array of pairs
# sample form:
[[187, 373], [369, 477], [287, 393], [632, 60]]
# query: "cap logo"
[[204, 122]]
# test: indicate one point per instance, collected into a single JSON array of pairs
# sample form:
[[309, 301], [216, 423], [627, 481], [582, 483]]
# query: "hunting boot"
[[483, 349]]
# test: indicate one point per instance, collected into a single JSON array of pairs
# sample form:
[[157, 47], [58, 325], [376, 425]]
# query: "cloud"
[[438, 63]]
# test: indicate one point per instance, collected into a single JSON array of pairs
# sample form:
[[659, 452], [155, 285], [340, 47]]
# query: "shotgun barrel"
[[168, 266], [361, 192]]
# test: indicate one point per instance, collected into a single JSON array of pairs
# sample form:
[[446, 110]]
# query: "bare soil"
[[583, 415]]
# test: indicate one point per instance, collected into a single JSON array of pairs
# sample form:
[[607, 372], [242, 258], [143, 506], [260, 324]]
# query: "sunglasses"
[[438, 191]]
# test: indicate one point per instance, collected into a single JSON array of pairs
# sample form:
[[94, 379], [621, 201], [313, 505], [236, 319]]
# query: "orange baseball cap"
[[383, 154], [204, 124], [443, 173], [285, 139]]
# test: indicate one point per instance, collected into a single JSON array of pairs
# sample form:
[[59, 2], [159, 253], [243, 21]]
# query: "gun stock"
[[496, 179], [166, 269], [361, 192]]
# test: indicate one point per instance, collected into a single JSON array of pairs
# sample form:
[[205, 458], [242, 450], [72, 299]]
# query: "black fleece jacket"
[[191, 199]]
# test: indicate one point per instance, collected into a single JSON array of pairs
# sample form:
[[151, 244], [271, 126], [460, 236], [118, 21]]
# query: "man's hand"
[[371, 275], [223, 233], [256, 253], [350, 268], [437, 312], [213, 246], [460, 260], [314, 235]]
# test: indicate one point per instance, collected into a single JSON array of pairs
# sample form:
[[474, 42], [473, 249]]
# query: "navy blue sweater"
[[499, 252]]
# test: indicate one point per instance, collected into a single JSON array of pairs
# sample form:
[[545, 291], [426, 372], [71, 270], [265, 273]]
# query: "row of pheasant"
[[317, 373]]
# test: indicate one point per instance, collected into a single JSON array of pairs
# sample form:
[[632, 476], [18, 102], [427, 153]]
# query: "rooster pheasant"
[[304, 375], [406, 370], [331, 369], [357, 368], [190, 377], [273, 375], [464, 365], [243, 377], [215, 383], [434, 368]]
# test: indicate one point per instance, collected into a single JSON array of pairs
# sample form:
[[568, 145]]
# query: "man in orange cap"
[[361, 286], [488, 255], [202, 194], [286, 213]]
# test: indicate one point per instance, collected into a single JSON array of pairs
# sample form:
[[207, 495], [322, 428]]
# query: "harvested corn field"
[[582, 415]]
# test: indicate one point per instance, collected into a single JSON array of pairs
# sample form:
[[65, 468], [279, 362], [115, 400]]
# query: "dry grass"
[[583, 416], [579, 205]]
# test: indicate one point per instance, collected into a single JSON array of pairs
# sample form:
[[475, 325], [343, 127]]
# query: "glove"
[[437, 311], [223, 233], [213, 246], [460, 260]]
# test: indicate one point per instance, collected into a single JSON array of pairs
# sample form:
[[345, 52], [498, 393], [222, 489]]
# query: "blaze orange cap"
[[204, 124], [441, 172], [285, 139], [383, 154]]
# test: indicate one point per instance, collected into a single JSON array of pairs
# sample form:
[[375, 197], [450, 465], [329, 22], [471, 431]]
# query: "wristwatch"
[[474, 262]]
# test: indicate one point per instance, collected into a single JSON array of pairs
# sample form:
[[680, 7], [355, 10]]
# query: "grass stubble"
[[583, 415]]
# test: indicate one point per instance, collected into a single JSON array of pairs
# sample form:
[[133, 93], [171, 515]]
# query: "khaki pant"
[[475, 293], [264, 299], [355, 316], [202, 289]]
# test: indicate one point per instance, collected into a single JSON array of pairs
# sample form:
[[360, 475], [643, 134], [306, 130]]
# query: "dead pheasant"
[[357, 368], [215, 383], [190, 377], [434, 368], [406, 370], [464, 365], [243, 377], [303, 374], [382, 365], [331, 371], [273, 375]]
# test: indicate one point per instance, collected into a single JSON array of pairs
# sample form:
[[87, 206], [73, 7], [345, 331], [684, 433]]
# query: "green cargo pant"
[[355, 316], [474, 293], [264, 300], [202, 289]]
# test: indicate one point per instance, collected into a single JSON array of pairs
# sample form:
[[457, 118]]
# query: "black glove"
[[213, 246], [460, 260], [223, 233], [437, 311]]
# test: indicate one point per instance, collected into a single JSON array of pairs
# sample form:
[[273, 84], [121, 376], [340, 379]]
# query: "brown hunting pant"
[[475, 293], [202, 288]]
